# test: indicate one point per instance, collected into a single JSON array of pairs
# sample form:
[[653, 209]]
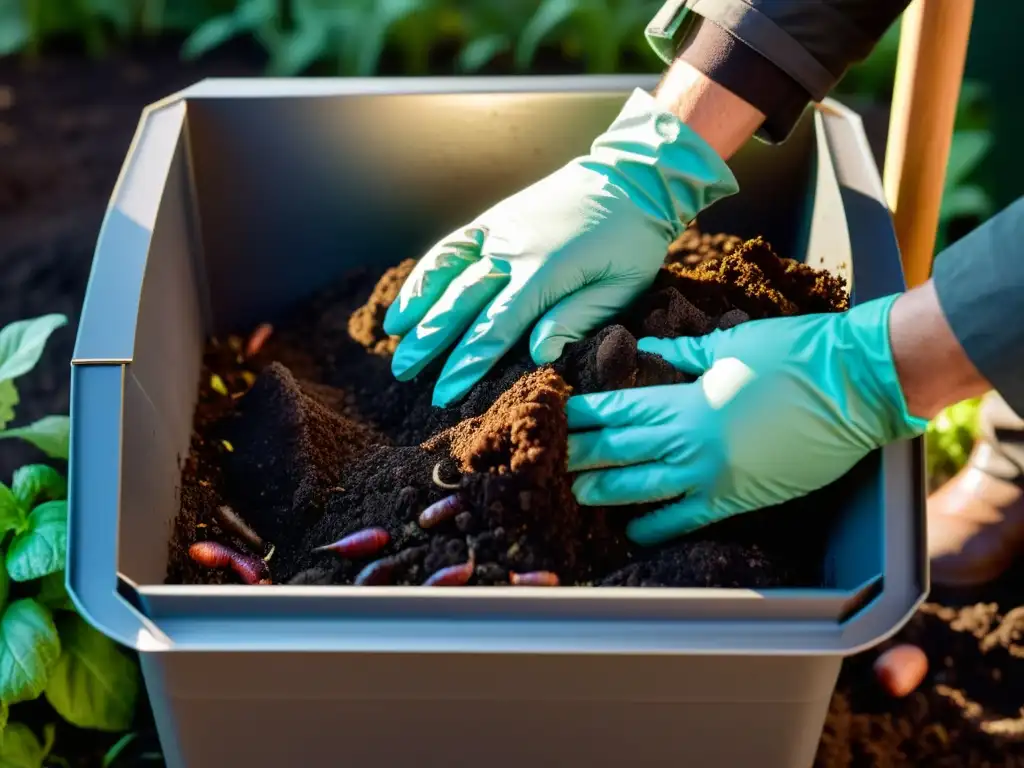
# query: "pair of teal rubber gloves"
[[781, 408]]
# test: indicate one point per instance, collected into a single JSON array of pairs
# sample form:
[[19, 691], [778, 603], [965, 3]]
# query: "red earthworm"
[[453, 575], [231, 522], [376, 573], [440, 511], [257, 339], [211, 554], [534, 579], [364, 543]]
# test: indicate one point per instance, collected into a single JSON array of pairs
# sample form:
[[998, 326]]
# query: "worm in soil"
[[214, 555], [901, 669], [376, 573], [257, 339], [364, 543], [230, 521], [440, 511], [534, 579], [453, 575], [436, 477]]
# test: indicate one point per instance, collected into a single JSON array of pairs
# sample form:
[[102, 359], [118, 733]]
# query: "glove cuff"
[[662, 163], [868, 326]]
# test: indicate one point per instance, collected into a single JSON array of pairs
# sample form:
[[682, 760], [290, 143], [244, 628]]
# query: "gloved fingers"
[[451, 314], [431, 277], [676, 519], [494, 330], [616, 447], [637, 484], [577, 314], [618, 408], [690, 354]]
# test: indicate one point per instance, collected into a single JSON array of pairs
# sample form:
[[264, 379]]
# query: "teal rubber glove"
[[570, 251], [782, 407]]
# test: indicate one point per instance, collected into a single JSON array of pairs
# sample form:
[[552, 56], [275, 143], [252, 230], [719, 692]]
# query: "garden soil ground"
[[64, 128]]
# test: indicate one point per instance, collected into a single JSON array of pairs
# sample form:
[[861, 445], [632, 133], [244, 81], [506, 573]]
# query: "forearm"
[[722, 119], [933, 368], [776, 56]]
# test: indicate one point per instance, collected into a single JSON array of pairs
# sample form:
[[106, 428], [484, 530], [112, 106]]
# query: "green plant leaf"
[[53, 592], [966, 201], [8, 399], [94, 683], [5, 715], [21, 748], [480, 52], [42, 548], [12, 513], [14, 30], [49, 434], [22, 342], [35, 483], [117, 748], [966, 152], [211, 34], [5, 588], [548, 17], [298, 50], [29, 649]]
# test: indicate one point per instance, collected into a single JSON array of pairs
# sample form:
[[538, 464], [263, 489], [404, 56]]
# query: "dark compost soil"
[[312, 439], [64, 128]]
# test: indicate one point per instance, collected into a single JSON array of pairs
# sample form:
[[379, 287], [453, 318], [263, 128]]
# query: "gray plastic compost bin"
[[239, 198]]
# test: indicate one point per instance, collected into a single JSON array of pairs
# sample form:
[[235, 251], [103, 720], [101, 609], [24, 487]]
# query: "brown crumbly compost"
[[313, 439]]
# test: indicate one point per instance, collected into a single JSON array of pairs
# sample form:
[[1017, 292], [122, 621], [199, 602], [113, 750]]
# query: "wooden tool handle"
[[933, 48]]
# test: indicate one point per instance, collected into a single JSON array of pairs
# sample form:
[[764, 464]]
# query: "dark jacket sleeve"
[[980, 284], [777, 55]]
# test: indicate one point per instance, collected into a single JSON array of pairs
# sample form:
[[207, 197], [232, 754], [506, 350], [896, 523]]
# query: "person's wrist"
[[872, 373], [724, 120], [652, 155]]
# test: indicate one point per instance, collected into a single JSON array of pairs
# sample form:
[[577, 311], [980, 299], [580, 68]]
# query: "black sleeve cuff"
[[746, 73], [979, 281]]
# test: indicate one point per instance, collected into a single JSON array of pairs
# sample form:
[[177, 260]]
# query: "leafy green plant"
[[598, 31], [46, 648], [949, 439], [27, 25]]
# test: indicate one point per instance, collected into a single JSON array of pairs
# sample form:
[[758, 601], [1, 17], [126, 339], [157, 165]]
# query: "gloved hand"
[[575, 247], [782, 407]]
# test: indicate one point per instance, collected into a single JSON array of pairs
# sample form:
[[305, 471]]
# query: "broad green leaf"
[[966, 152], [8, 398], [5, 715], [482, 51], [94, 683], [53, 592], [5, 588], [14, 30], [49, 434], [12, 513], [35, 483], [42, 548], [548, 17], [29, 649], [21, 748], [22, 342]]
